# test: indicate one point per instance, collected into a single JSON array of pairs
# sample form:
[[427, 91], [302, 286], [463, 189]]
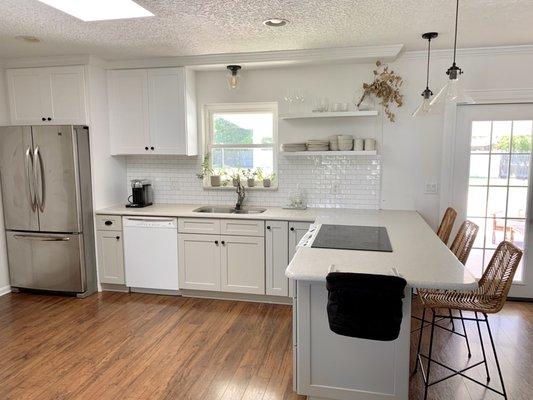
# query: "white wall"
[[4, 116]]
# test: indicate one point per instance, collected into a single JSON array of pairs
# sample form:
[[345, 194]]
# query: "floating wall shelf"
[[330, 114], [330, 153]]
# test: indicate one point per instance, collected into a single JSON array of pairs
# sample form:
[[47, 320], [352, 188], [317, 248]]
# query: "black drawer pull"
[[292, 228], [108, 223], [216, 242], [117, 237], [223, 243]]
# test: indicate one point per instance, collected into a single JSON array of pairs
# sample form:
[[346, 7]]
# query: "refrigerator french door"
[[46, 192]]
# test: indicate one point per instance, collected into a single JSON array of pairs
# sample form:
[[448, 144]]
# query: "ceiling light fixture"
[[99, 10], [275, 22], [233, 78], [453, 91], [424, 106], [27, 38]]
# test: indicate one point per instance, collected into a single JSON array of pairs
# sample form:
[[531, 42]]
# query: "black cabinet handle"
[[292, 228], [108, 223], [43, 118], [152, 148], [117, 237], [268, 227], [223, 243], [49, 119], [146, 148], [216, 242]]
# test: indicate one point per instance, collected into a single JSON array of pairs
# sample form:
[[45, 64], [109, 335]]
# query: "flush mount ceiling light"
[[453, 91], [424, 106], [99, 10], [29, 39], [233, 78], [275, 22]]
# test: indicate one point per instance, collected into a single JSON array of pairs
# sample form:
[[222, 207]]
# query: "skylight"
[[99, 10]]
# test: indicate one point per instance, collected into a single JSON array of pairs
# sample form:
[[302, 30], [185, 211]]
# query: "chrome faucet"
[[241, 194]]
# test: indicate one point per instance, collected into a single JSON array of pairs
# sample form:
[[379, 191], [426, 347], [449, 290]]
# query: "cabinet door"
[[26, 102], [277, 257], [128, 112], [243, 264], [110, 257], [167, 110], [296, 231], [67, 95], [199, 262]]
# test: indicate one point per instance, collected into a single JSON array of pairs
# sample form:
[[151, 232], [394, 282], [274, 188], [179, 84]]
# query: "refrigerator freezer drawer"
[[46, 261]]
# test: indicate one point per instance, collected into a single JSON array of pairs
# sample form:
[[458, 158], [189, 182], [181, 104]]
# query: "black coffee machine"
[[141, 194]]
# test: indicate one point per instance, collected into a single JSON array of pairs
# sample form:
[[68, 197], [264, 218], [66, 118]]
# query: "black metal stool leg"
[[482, 348], [426, 383], [495, 356], [420, 339], [451, 319], [466, 335]]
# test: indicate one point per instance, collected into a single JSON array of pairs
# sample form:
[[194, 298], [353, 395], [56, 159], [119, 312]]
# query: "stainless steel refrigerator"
[[46, 190]]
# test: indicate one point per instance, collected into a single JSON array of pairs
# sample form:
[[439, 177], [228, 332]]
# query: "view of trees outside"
[[498, 186], [255, 129]]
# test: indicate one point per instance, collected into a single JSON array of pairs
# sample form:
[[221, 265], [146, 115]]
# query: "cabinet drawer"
[[199, 225], [242, 227], [108, 223]]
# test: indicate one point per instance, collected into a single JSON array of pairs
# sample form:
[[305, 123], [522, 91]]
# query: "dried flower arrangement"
[[386, 87]]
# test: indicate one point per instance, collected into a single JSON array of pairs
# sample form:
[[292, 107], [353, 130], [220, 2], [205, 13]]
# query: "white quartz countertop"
[[187, 210], [418, 254]]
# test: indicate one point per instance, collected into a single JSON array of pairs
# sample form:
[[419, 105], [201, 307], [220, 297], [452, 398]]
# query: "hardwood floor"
[[137, 346]]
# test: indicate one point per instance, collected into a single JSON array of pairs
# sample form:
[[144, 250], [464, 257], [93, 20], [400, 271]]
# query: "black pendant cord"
[[427, 93], [455, 39], [427, 71]]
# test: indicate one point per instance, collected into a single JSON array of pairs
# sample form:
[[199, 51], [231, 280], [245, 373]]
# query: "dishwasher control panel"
[[150, 222]]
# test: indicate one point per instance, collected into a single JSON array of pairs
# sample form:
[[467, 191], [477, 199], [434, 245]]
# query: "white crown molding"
[[52, 61], [491, 96], [474, 52], [265, 59]]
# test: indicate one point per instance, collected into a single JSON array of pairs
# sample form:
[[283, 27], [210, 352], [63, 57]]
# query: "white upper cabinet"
[[152, 111], [51, 96]]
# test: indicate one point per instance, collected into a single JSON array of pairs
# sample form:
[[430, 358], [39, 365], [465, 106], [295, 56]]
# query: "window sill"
[[246, 188]]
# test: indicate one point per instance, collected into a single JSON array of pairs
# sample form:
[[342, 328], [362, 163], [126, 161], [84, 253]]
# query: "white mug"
[[358, 144], [370, 144]]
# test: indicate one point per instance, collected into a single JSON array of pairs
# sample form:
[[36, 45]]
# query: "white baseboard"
[[5, 290]]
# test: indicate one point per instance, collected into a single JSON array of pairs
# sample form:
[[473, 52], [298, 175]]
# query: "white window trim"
[[209, 109]]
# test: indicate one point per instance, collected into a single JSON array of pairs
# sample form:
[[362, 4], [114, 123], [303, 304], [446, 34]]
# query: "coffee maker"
[[141, 194]]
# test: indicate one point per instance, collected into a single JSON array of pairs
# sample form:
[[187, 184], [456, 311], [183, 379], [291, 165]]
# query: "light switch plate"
[[430, 188]]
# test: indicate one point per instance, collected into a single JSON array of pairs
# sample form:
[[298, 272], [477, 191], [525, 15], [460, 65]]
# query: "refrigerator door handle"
[[41, 238], [38, 178], [30, 179]]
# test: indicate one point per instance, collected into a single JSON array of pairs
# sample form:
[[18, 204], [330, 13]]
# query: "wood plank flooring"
[[137, 346]]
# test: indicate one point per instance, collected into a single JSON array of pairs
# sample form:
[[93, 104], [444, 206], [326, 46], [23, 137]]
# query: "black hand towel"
[[364, 305]]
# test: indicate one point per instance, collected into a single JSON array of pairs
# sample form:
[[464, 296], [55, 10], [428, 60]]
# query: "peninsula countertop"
[[418, 254]]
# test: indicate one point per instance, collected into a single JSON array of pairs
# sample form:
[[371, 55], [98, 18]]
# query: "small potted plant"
[[216, 177], [259, 174], [269, 179], [250, 175]]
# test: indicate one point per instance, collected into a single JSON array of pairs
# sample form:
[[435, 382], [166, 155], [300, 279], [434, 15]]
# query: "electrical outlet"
[[430, 188]]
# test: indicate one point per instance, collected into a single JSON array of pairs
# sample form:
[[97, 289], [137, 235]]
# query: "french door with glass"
[[491, 182]]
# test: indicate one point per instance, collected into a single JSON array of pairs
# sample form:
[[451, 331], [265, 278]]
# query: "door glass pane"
[[479, 169], [498, 202]]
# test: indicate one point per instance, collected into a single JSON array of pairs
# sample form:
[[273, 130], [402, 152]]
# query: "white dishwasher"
[[151, 252]]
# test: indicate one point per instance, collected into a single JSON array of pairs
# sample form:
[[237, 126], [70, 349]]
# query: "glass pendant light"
[[424, 106], [453, 91], [233, 78]]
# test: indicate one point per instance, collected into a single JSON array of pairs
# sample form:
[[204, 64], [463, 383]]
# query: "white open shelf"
[[330, 114], [330, 153]]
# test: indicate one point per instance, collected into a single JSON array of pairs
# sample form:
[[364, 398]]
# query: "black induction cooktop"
[[350, 237]]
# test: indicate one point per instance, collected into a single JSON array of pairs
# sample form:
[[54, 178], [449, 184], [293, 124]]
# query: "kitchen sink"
[[229, 210]]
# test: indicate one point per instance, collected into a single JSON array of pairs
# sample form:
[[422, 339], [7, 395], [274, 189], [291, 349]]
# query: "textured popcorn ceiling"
[[225, 26]]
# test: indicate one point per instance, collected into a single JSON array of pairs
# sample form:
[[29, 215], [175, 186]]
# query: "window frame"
[[209, 109]]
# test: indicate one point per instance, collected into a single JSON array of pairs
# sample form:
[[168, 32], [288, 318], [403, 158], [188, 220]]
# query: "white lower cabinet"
[[110, 257], [296, 231], [276, 257], [199, 261], [243, 264]]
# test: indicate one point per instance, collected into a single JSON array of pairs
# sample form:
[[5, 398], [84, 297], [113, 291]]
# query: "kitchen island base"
[[333, 367]]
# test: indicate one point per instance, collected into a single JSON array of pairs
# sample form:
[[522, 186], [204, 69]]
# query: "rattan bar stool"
[[489, 298], [446, 225], [461, 246]]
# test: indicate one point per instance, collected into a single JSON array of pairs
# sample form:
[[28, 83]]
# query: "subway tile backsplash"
[[325, 181]]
